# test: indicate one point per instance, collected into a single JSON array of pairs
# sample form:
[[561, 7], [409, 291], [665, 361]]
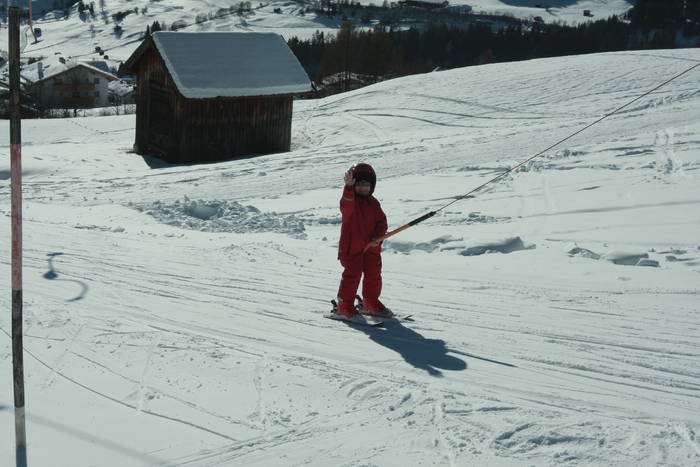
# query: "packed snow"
[[221, 216], [174, 313]]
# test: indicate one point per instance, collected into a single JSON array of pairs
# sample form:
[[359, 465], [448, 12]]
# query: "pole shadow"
[[94, 439], [52, 275], [430, 355]]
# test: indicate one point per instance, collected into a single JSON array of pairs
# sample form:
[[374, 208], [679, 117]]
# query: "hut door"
[[160, 118]]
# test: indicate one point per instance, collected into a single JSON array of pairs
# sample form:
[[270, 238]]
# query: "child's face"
[[362, 187]]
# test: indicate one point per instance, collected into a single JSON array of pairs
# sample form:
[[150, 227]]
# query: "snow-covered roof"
[[230, 64], [52, 66], [99, 64]]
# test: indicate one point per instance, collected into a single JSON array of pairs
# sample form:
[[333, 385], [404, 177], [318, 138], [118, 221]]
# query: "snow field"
[[173, 313]]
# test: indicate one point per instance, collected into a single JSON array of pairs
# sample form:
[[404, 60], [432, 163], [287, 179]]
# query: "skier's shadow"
[[431, 355]]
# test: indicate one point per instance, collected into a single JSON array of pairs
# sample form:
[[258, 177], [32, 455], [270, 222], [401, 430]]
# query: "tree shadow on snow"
[[430, 355]]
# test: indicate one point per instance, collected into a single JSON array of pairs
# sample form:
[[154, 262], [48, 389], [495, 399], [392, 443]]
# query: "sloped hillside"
[[173, 314]]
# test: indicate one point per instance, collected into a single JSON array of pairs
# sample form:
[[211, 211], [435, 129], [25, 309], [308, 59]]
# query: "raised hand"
[[349, 178]]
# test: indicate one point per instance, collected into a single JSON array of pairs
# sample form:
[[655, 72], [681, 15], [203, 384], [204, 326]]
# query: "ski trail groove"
[[144, 373]]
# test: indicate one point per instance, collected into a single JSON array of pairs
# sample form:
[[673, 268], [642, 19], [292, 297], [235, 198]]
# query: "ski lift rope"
[[503, 174]]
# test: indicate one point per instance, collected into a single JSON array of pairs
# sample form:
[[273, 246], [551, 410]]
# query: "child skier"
[[363, 223]]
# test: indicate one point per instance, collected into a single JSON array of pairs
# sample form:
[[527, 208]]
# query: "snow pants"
[[368, 264]]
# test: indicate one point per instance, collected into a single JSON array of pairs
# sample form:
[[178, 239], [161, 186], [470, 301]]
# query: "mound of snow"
[[448, 243], [222, 216], [508, 245], [583, 253], [407, 247], [627, 258]]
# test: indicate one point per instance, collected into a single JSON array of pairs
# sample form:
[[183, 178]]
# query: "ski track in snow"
[[540, 338]]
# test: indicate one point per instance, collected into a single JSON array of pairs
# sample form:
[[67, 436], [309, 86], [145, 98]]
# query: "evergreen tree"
[[383, 52]]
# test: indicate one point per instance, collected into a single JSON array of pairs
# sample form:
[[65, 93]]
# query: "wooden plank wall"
[[224, 128], [154, 81]]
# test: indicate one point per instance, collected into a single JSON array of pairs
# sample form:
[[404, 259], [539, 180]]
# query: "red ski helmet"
[[365, 172]]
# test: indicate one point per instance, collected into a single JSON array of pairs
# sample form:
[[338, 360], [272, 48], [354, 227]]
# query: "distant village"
[[61, 87], [374, 43]]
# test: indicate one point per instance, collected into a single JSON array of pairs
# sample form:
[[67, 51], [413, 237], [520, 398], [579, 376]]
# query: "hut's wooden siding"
[[227, 127], [193, 130], [155, 97]]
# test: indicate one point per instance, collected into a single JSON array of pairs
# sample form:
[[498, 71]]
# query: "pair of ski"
[[365, 318]]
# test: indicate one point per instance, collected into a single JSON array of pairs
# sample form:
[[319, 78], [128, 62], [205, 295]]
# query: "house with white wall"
[[66, 84]]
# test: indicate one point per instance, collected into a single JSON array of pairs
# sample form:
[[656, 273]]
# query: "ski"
[[388, 315], [393, 317], [359, 318]]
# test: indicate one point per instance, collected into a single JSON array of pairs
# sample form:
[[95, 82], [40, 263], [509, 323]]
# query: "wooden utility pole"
[[16, 214], [31, 26]]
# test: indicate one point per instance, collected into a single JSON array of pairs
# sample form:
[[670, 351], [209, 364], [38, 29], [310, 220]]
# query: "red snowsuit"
[[363, 220]]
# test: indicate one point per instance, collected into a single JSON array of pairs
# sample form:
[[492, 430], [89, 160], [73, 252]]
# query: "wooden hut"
[[214, 95]]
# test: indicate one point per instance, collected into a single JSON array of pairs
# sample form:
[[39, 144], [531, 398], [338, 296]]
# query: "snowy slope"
[[78, 35], [570, 11], [173, 313]]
